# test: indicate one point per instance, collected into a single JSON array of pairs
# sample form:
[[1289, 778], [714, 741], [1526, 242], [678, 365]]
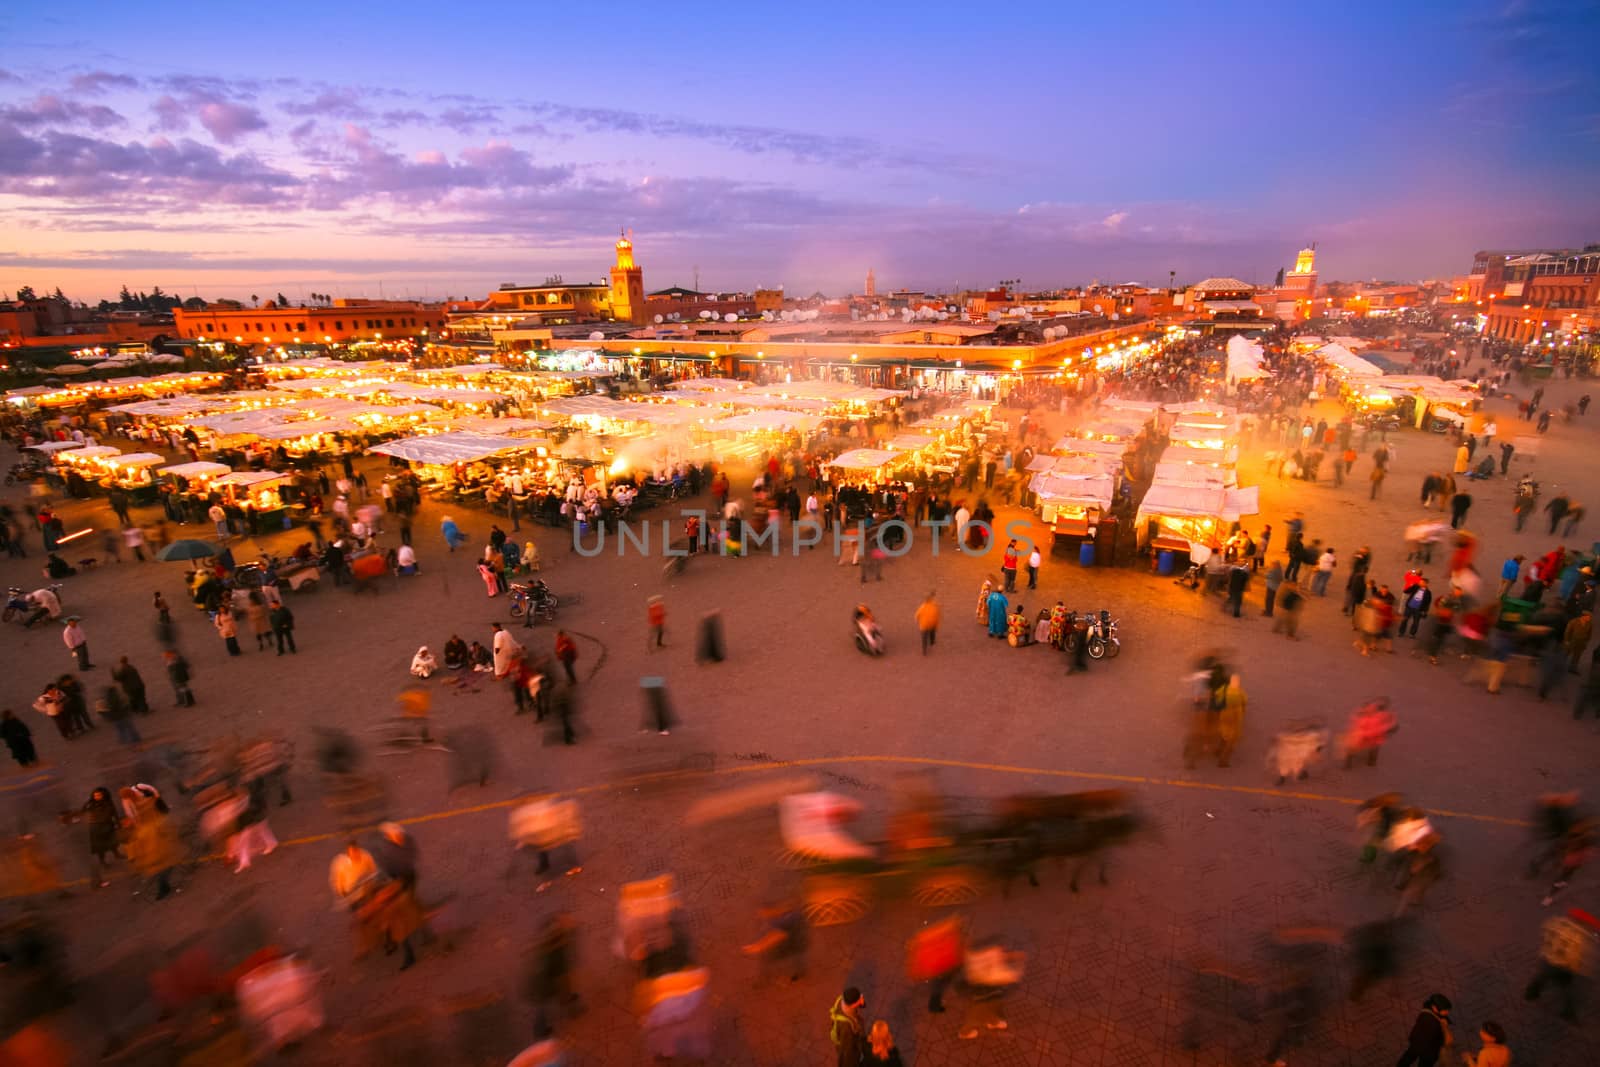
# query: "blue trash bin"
[[1086, 554], [1165, 562]]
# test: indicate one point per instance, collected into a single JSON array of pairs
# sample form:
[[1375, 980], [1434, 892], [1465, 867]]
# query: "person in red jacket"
[[567, 653]]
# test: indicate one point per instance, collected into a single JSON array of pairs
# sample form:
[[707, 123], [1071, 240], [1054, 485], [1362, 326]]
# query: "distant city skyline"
[[432, 153]]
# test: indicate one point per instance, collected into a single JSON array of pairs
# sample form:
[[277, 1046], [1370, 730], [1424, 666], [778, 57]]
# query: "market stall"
[[463, 466], [866, 465], [132, 473], [1171, 517], [261, 492], [193, 479]]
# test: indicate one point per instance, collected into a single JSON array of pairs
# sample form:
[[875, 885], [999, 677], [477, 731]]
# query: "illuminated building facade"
[[341, 322]]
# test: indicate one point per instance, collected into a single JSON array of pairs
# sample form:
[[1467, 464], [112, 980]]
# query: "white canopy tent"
[[1347, 362], [1196, 474], [248, 479], [1244, 360], [136, 459], [52, 447], [865, 459], [766, 420], [447, 448], [198, 469]]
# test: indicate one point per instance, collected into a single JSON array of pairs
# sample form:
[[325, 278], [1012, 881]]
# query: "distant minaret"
[[627, 284], [872, 284]]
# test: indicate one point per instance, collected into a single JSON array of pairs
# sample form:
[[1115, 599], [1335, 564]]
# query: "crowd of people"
[[1538, 623]]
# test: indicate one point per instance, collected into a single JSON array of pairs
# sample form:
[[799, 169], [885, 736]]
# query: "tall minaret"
[[872, 284], [627, 284]]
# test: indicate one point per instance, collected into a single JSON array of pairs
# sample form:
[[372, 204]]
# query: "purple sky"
[[443, 150]]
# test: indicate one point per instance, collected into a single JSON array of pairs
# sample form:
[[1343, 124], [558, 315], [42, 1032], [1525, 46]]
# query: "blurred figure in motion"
[[783, 941], [1576, 848], [1302, 954], [1218, 721], [279, 1000], [1566, 950], [548, 978], [546, 825], [1296, 750], [1377, 816], [1554, 816], [990, 973], [1371, 726], [934, 955], [36, 987], [1374, 953]]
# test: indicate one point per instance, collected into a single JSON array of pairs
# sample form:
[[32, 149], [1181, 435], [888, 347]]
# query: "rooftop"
[[1223, 284]]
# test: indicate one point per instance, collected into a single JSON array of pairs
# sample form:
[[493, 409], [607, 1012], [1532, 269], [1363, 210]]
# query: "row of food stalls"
[[140, 475], [1195, 498], [1194, 492], [1423, 400], [56, 397]]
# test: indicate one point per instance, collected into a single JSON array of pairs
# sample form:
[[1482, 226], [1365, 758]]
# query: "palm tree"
[[254, 300]]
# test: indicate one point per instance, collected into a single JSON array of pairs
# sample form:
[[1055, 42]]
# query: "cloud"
[[171, 114], [228, 122], [47, 108], [338, 103], [162, 174], [98, 81], [210, 101], [468, 118], [365, 168], [7, 76], [1113, 222]]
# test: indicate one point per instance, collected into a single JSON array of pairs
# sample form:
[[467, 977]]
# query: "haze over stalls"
[[444, 150]]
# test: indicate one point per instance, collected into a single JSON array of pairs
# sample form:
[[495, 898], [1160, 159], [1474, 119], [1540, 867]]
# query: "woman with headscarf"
[[452, 533], [491, 581], [100, 812], [423, 664], [997, 613], [983, 600], [1058, 626]]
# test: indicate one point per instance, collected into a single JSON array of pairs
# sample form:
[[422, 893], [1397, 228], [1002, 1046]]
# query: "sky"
[[435, 150]]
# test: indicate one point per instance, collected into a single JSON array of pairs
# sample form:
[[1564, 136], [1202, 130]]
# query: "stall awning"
[[198, 469], [288, 431], [91, 452], [864, 459], [1086, 490], [51, 447], [766, 420], [137, 459], [447, 448], [1189, 501], [250, 479]]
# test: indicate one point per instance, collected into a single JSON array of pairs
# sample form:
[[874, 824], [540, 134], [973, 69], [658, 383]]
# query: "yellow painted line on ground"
[[916, 761]]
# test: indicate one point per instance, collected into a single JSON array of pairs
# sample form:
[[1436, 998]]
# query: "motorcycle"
[[20, 608], [24, 472], [1102, 637], [534, 599], [869, 637]]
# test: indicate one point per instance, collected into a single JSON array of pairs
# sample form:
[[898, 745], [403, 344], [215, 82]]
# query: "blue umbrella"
[[186, 549]]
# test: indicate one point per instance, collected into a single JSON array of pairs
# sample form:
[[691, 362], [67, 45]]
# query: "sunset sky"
[[443, 149]]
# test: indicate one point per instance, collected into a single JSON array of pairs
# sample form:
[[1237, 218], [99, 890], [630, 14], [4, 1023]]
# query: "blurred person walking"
[[1566, 951], [927, 617]]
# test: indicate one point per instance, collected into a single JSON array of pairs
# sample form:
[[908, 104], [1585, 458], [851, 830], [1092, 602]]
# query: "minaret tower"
[[872, 285], [627, 284]]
